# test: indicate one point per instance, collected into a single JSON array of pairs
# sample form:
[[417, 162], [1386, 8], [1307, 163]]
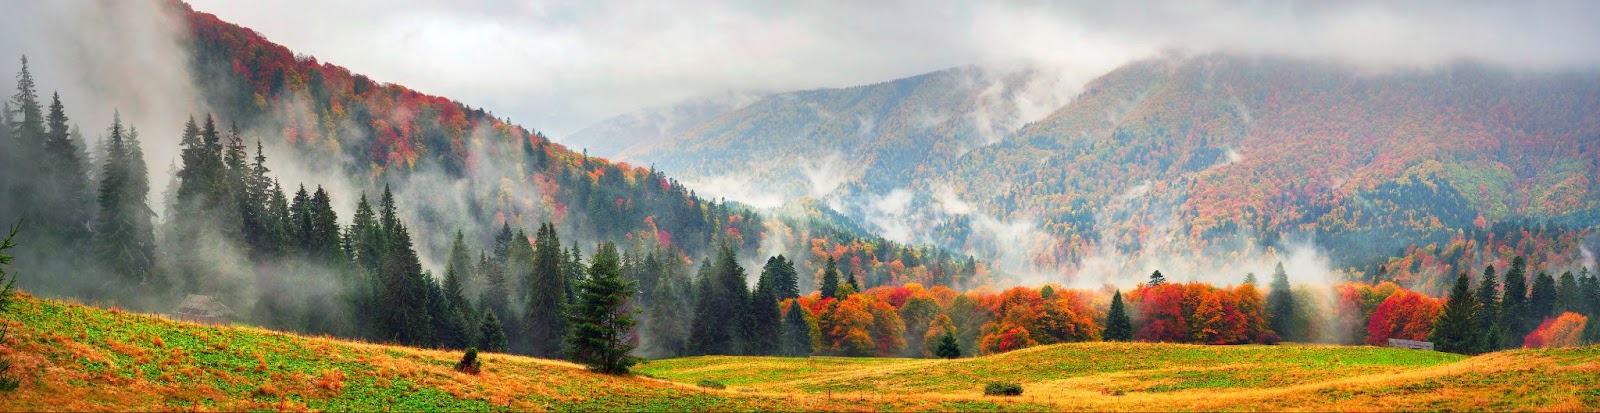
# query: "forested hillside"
[[305, 197], [1407, 175], [1194, 164]]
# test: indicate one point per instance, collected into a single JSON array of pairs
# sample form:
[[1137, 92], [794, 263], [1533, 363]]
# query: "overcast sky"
[[558, 66]]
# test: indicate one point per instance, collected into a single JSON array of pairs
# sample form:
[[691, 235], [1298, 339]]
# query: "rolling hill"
[[76, 357], [1189, 163]]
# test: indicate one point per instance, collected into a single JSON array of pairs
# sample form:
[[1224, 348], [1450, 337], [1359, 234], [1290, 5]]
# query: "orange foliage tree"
[[1405, 315], [1563, 331]]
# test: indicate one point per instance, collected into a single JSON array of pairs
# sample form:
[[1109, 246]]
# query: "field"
[[74, 357]]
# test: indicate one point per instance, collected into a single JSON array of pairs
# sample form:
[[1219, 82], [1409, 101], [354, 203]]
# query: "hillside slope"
[[1151, 376], [80, 358]]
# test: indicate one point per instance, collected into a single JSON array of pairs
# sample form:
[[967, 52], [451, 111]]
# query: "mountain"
[[807, 143], [624, 134], [1210, 165], [459, 167]]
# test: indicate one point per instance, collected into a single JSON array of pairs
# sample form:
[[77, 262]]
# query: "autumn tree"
[[1405, 315], [1558, 332]]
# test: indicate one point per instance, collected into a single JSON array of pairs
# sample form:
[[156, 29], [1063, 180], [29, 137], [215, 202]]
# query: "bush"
[[1002, 389], [711, 384], [469, 362]]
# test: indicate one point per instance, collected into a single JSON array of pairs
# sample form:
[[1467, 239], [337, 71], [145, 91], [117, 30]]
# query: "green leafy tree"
[[1456, 331], [602, 321], [1119, 327]]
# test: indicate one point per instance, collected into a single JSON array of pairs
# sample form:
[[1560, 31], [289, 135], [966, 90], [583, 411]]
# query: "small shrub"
[[1002, 389], [712, 384], [469, 362]]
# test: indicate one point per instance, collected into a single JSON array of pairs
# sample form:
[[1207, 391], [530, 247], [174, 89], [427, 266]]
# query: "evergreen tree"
[[1513, 305], [403, 291], [948, 348], [602, 322], [1281, 307], [721, 317], [1455, 331], [850, 278], [65, 206], [1541, 301], [1157, 279], [1589, 284], [830, 279], [365, 235], [1119, 327], [457, 270], [450, 327], [1488, 298], [27, 138], [796, 332], [785, 278], [324, 229], [1569, 296], [491, 336], [670, 313], [1250, 278], [547, 298], [765, 317], [123, 229]]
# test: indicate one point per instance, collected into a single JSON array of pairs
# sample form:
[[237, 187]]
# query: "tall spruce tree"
[[602, 334], [491, 335], [786, 279], [403, 290], [796, 340], [671, 312], [65, 207], [1488, 298], [547, 298], [1513, 305], [1541, 300], [830, 279], [1455, 330], [765, 317], [1281, 307], [1119, 327], [721, 316], [1569, 297], [122, 229]]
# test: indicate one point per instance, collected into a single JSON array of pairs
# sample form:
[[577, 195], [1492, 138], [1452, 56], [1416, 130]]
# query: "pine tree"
[[1541, 301], [796, 332], [403, 290], [948, 348], [1488, 298], [765, 317], [123, 230], [786, 279], [1157, 279], [28, 138], [1250, 278], [672, 308], [1455, 330], [602, 332], [1569, 297], [1281, 307], [1513, 305], [65, 205], [850, 278], [450, 327], [830, 279], [491, 336], [721, 318], [1119, 327], [547, 298], [1589, 284]]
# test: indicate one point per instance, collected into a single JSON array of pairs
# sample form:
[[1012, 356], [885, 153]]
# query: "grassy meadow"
[[75, 357]]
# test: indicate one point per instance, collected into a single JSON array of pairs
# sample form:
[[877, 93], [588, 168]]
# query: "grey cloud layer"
[[559, 65]]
